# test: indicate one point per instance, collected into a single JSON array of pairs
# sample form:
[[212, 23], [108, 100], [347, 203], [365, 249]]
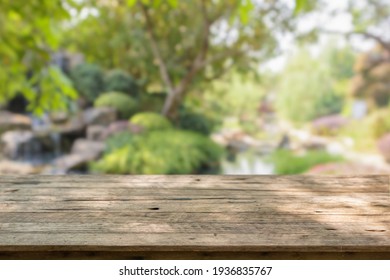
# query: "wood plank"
[[194, 216]]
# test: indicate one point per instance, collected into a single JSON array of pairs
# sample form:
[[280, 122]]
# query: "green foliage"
[[286, 162], [311, 87], [191, 120], [152, 102], [119, 80], [29, 32], [125, 105], [180, 37], [361, 134], [379, 123], [236, 96], [118, 141], [151, 121], [88, 80], [160, 152], [372, 81]]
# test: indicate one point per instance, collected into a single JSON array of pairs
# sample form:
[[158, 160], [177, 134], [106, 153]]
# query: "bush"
[[118, 80], [122, 103], [312, 87], [118, 141], [160, 152], [360, 132], [379, 123], [151, 121], [190, 120], [286, 162], [88, 80], [152, 102]]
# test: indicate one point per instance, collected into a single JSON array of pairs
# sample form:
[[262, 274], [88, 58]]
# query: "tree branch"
[[379, 40], [198, 62], [156, 51]]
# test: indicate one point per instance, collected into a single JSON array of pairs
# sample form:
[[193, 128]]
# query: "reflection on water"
[[247, 163]]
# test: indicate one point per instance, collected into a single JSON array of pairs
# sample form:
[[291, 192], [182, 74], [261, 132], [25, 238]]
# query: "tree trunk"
[[172, 104]]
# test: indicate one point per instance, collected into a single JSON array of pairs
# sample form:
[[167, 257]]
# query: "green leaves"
[[28, 32], [54, 93], [246, 6], [160, 152], [153, 3], [300, 5], [131, 3]]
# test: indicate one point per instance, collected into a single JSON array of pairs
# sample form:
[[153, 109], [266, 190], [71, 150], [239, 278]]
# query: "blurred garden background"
[[194, 87]]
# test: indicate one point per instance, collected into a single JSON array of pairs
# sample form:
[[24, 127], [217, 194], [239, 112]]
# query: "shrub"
[[379, 123], [328, 125], [118, 141], [151, 121], [118, 80], [191, 120], [88, 80], [312, 87], [160, 152], [152, 102], [122, 103], [286, 162], [360, 132]]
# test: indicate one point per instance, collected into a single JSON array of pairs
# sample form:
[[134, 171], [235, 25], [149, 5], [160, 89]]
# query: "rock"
[[69, 132], [14, 142], [345, 168], [17, 168], [120, 126], [237, 146], [11, 121], [99, 116], [83, 152], [88, 147], [328, 125], [384, 146], [59, 117], [29, 145], [314, 144], [69, 162], [95, 132]]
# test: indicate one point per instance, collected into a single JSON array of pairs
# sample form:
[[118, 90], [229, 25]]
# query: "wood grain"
[[194, 217]]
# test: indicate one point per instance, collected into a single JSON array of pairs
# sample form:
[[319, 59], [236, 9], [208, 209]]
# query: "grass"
[[286, 162]]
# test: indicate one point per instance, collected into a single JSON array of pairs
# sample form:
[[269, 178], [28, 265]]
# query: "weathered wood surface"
[[201, 217]]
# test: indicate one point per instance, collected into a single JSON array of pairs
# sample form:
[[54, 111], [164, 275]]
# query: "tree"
[[311, 87], [370, 18], [28, 32], [177, 44], [372, 78]]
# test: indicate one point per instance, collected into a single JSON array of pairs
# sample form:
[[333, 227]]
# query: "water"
[[247, 163], [43, 147]]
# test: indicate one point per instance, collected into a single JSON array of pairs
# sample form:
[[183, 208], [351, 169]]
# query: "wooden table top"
[[192, 216]]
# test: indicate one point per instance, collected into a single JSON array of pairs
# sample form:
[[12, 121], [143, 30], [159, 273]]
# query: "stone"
[[120, 126], [11, 121], [314, 143], [91, 148], [83, 151], [384, 146], [8, 167], [95, 132], [69, 132], [99, 116], [342, 168], [13, 142], [59, 117], [66, 163], [328, 125]]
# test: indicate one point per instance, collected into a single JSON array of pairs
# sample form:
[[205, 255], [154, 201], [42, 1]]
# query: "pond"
[[248, 162]]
